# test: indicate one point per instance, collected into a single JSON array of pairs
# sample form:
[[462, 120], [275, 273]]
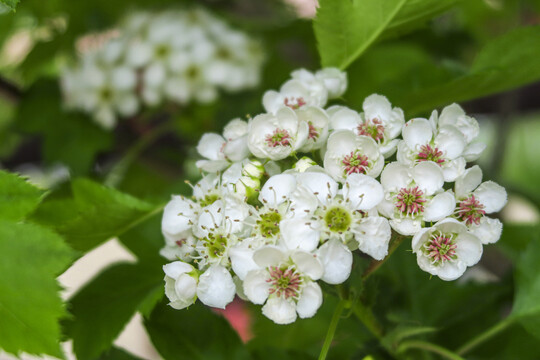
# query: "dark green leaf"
[[346, 28], [118, 354], [30, 306], [18, 198], [505, 63], [105, 305], [526, 305], [69, 138], [193, 333]]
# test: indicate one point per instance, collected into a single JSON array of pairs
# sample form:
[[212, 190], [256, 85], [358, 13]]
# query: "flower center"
[[280, 137], [313, 132], [440, 248], [269, 223], [209, 199], [410, 201], [373, 129], [216, 245], [284, 281], [337, 219], [180, 242], [355, 162], [470, 211], [294, 103], [428, 153]]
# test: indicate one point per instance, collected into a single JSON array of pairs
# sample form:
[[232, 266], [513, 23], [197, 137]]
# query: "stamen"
[[284, 281], [410, 201], [428, 153], [280, 137], [471, 211], [440, 248], [355, 163], [373, 128], [294, 103]]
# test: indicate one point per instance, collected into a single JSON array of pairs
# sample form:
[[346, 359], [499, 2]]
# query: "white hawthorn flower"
[[454, 115], [317, 121], [180, 284], [414, 195], [334, 80], [303, 89], [446, 249], [476, 199], [348, 154], [285, 284], [221, 150], [346, 215], [379, 121], [277, 136], [443, 145]]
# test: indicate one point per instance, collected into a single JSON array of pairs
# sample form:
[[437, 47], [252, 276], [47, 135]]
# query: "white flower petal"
[[473, 151], [373, 236], [186, 287], [452, 169], [308, 264], [337, 260], [428, 176], [406, 226], [277, 189], [395, 176], [492, 196], [364, 192], [310, 300], [256, 288], [297, 233], [211, 145], [177, 268], [469, 248], [450, 141], [216, 287], [441, 206], [268, 256], [279, 310], [417, 132], [241, 256], [466, 183], [320, 184], [488, 231], [177, 216]]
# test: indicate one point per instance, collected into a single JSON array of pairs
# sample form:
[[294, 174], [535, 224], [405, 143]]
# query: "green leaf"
[[505, 63], [105, 305], [193, 333], [526, 307], [69, 138], [18, 198], [11, 4], [30, 306], [98, 213], [346, 28], [416, 13], [118, 354]]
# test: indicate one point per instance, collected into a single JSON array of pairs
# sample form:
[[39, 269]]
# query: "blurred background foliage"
[[482, 53]]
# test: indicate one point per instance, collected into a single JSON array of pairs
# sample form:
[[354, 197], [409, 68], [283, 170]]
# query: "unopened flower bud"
[[303, 164], [253, 169]]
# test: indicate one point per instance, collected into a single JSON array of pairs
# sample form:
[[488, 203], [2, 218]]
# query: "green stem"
[[119, 170], [366, 316], [486, 335], [332, 329], [424, 345], [374, 265]]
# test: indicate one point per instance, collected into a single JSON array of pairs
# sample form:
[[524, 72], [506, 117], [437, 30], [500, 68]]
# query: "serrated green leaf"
[[95, 214], [30, 305], [503, 64], [193, 333], [18, 198], [346, 28], [526, 307], [105, 305]]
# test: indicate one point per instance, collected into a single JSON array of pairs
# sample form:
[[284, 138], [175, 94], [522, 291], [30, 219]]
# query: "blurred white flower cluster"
[[177, 56], [267, 224]]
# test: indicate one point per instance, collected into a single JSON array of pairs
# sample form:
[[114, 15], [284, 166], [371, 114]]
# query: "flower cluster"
[[266, 224], [177, 56]]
